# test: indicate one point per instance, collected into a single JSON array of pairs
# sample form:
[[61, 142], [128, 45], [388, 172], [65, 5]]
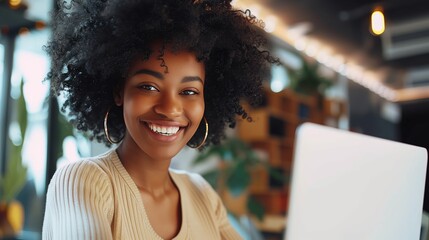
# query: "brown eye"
[[189, 92], [147, 87]]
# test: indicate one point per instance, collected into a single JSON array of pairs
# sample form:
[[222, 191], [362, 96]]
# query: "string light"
[[270, 23], [39, 25], [14, 3], [377, 22], [23, 31], [323, 53]]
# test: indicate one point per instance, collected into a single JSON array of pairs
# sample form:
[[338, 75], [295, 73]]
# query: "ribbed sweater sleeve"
[[79, 204]]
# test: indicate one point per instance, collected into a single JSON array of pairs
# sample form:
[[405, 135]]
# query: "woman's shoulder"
[[82, 187], [95, 167]]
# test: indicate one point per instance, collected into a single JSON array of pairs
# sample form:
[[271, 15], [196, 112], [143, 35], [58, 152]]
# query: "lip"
[[165, 123], [162, 138]]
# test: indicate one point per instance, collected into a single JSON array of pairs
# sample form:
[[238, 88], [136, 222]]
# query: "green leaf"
[[238, 158], [239, 179], [201, 157], [22, 112], [15, 175], [308, 81], [277, 175], [212, 177], [255, 208]]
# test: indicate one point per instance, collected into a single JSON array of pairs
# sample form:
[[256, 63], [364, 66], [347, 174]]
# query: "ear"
[[118, 96]]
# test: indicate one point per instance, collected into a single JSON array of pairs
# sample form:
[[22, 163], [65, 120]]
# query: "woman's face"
[[162, 110]]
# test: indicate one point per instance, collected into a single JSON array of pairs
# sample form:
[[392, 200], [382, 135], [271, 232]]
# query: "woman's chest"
[[135, 219]]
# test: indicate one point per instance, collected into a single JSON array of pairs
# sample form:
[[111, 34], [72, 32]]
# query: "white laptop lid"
[[348, 186]]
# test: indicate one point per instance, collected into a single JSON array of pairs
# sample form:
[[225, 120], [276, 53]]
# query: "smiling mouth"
[[163, 130]]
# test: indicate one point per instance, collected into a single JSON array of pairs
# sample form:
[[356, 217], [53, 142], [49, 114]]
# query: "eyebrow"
[[193, 78], [161, 76], [149, 72]]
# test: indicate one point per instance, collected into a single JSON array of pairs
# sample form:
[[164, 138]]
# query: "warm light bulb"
[[39, 25], [23, 30], [377, 22], [270, 23], [14, 3]]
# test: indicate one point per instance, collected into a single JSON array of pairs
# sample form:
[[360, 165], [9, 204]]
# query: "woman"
[[163, 74]]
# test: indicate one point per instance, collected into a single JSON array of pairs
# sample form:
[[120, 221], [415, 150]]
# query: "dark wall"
[[414, 129], [365, 114]]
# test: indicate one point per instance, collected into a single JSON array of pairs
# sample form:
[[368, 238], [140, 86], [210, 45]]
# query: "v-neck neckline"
[[127, 178]]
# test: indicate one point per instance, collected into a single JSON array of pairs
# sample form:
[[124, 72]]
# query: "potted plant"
[[232, 177], [11, 211], [308, 81], [12, 181]]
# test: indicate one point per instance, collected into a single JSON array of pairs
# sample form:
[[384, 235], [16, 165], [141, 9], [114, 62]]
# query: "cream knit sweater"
[[96, 198]]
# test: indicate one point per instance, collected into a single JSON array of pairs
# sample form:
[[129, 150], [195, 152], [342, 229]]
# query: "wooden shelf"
[[272, 132], [265, 125], [273, 223], [274, 201]]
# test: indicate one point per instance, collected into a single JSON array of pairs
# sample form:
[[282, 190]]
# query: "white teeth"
[[163, 130]]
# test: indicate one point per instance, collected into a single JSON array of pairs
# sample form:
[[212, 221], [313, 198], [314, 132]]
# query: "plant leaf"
[[22, 112], [255, 208], [277, 175], [213, 150], [15, 176], [239, 179], [212, 177]]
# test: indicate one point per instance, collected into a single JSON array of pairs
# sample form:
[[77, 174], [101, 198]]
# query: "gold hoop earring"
[[205, 134], [106, 129]]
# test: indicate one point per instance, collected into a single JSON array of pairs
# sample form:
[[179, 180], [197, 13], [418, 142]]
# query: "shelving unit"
[[272, 132]]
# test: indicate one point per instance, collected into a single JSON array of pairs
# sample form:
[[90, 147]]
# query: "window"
[[27, 126], [26, 118]]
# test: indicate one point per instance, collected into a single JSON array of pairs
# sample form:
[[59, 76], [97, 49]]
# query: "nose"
[[169, 106]]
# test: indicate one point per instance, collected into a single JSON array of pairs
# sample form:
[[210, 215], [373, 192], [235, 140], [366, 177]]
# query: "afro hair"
[[94, 42]]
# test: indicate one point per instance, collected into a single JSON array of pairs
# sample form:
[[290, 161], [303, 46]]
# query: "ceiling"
[[339, 24], [344, 26]]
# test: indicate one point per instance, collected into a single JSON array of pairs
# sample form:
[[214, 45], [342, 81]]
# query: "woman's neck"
[[149, 174]]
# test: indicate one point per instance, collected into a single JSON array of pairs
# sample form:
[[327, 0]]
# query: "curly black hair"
[[94, 42]]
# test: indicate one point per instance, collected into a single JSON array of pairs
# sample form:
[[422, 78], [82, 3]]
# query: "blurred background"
[[359, 65]]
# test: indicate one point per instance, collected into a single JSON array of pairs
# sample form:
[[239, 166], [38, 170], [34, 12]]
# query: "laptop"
[[349, 186]]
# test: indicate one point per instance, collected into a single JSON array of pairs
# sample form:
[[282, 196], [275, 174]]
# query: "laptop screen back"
[[351, 186]]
